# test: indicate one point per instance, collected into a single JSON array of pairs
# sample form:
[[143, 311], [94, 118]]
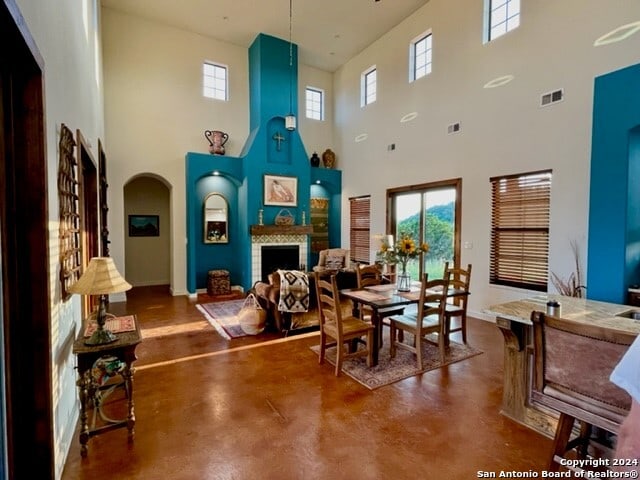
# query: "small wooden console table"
[[90, 388]]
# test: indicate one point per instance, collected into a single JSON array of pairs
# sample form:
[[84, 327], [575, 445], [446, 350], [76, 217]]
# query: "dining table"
[[384, 297]]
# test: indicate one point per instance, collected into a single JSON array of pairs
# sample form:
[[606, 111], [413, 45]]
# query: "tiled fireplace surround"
[[258, 241]]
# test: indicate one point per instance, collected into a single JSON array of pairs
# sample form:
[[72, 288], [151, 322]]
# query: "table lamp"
[[100, 278]]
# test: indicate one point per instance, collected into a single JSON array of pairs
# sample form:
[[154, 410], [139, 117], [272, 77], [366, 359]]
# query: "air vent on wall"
[[551, 97], [453, 128]]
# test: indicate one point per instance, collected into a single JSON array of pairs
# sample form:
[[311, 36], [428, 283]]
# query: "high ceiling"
[[328, 32]]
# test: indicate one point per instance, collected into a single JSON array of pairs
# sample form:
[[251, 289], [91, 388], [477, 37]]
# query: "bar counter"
[[514, 321]]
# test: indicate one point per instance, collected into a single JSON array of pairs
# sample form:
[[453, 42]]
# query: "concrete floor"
[[207, 408]]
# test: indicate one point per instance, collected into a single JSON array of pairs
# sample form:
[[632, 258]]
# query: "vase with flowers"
[[401, 253]]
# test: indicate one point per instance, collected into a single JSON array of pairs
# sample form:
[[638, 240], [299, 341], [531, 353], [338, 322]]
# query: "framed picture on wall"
[[144, 226], [280, 190]]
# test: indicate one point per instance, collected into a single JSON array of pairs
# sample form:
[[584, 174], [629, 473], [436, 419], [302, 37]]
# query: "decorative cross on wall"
[[279, 139]]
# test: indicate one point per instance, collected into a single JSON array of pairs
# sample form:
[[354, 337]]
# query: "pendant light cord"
[[290, 58]]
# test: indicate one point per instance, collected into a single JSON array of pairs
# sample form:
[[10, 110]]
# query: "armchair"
[[333, 260]]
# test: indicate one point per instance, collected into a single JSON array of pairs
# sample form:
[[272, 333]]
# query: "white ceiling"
[[328, 32]]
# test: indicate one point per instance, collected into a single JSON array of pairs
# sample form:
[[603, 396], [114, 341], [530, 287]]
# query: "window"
[[430, 213], [215, 81], [420, 56], [360, 218], [368, 87], [502, 17], [520, 230], [315, 103]]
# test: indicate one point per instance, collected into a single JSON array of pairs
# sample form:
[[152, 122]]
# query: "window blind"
[[520, 230], [360, 219]]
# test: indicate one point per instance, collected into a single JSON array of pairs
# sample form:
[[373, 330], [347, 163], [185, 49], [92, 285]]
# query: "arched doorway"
[[148, 259]]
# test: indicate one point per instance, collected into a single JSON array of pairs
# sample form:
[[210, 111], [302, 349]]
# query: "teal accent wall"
[[241, 179], [614, 208]]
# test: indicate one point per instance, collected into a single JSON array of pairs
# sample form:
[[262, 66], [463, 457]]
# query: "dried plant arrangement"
[[572, 286]]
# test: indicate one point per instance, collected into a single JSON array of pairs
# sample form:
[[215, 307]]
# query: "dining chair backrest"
[[368, 275], [459, 278], [328, 297], [433, 297]]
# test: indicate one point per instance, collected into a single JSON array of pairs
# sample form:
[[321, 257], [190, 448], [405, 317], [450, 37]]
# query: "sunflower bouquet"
[[401, 252]]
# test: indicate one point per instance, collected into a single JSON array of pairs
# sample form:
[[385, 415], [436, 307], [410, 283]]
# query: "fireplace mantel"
[[281, 229]]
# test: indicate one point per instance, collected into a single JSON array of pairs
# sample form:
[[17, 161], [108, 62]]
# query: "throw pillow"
[[334, 262]]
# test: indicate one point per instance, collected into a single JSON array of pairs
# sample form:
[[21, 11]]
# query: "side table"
[[89, 388]]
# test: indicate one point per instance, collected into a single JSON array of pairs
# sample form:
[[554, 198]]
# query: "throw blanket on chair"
[[294, 291]]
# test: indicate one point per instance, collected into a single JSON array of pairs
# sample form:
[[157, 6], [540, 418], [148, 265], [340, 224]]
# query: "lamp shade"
[[100, 278]]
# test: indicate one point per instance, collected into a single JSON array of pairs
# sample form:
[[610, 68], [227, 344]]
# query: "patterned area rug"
[[403, 365], [222, 316]]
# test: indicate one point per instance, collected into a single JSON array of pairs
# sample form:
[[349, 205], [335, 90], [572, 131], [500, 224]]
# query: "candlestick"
[[304, 218], [260, 217]]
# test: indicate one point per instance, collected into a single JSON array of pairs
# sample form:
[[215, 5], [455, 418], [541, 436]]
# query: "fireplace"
[[294, 246], [274, 257]]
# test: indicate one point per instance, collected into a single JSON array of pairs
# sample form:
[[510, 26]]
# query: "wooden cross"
[[279, 139]]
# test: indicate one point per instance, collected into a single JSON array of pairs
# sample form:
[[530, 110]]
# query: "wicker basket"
[[284, 217]]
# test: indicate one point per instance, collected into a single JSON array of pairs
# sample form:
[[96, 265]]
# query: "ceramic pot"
[[328, 158], [216, 139]]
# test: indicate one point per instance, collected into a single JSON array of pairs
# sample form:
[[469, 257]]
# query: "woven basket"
[[284, 217]]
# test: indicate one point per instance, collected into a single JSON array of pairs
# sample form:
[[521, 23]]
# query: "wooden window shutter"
[[360, 227], [520, 230]]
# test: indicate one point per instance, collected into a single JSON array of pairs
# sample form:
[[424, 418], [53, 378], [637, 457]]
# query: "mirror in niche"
[[215, 219]]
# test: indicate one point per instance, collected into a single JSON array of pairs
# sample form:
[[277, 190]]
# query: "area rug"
[[403, 365], [222, 316]]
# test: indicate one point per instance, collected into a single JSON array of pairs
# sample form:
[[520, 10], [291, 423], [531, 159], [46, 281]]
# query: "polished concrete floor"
[[207, 408]]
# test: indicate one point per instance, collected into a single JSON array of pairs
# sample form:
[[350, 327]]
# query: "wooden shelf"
[[281, 229]]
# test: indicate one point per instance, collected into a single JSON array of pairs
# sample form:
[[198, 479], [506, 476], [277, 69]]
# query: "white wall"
[[504, 130], [155, 113], [68, 36]]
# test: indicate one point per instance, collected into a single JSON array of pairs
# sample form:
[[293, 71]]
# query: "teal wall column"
[[614, 201]]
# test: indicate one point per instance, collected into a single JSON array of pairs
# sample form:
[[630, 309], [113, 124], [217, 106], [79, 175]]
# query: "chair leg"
[[339, 355], [418, 344], [560, 441], [370, 348], [323, 346]]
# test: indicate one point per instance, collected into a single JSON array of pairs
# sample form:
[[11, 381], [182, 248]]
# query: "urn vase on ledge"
[[216, 139]]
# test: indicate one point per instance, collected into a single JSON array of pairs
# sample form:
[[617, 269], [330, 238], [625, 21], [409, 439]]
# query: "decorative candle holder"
[[260, 217]]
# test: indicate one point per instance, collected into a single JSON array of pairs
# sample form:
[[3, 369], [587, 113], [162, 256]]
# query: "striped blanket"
[[294, 291]]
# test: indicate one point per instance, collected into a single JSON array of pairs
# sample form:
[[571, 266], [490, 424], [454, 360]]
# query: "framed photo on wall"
[[280, 191], [144, 226]]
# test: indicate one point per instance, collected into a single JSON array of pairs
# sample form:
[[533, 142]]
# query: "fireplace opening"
[[274, 257]]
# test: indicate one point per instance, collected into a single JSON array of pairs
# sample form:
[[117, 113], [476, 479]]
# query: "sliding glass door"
[[428, 213]]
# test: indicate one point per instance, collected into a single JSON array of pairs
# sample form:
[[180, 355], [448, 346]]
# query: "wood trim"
[[24, 222]]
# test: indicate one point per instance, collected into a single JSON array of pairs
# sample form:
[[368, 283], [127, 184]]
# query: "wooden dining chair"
[[337, 328], [562, 350], [371, 275], [429, 318], [459, 279]]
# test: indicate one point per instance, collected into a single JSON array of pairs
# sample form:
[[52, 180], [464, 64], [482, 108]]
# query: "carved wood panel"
[[69, 231]]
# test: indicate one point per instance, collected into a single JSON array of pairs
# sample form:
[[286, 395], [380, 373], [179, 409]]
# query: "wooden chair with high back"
[[429, 318], [459, 279], [368, 276], [572, 364], [334, 325]]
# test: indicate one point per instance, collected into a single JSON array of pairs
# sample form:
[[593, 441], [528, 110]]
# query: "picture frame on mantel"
[[280, 191]]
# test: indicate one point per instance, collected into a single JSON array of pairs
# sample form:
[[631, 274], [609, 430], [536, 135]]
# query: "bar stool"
[[572, 364]]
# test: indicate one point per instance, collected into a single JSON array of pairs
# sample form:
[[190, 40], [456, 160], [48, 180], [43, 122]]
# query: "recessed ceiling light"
[[362, 137], [318, 182], [618, 34], [408, 117], [216, 172], [499, 82]]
